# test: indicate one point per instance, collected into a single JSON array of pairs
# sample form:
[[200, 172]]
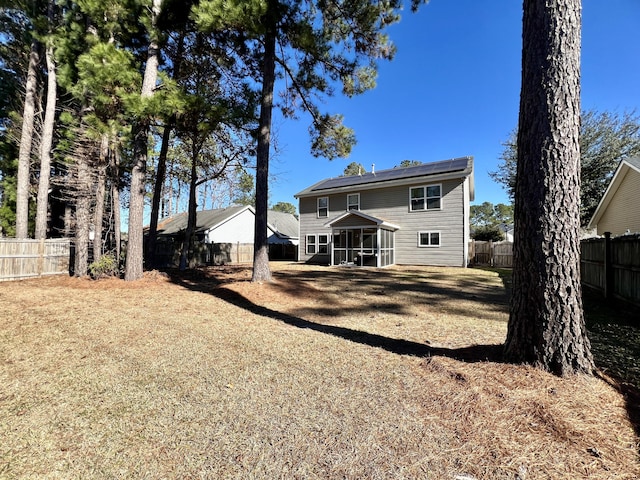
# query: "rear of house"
[[415, 215]]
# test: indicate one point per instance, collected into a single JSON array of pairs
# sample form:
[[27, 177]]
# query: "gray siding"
[[392, 204]]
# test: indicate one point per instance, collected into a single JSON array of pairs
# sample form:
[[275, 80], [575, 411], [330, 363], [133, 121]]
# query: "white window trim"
[[317, 244], [429, 232], [349, 205], [308, 243], [318, 207], [425, 198]]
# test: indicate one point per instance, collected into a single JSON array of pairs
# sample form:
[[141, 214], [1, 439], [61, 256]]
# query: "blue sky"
[[453, 90]]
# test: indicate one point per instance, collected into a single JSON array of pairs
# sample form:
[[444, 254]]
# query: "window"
[[311, 244], [428, 239], [353, 201], [425, 198], [323, 207], [318, 244]]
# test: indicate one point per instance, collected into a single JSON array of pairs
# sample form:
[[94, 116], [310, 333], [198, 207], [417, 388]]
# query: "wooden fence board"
[[25, 258], [495, 254], [615, 276]]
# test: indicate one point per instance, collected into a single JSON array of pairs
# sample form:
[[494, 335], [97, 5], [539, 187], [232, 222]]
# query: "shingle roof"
[[285, 224], [205, 219], [462, 165]]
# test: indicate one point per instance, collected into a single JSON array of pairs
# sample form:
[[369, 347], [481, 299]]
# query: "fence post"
[[608, 267], [491, 253], [472, 251], [40, 266]]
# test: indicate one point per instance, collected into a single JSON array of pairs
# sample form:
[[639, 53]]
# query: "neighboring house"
[[229, 226], [619, 209], [415, 215]]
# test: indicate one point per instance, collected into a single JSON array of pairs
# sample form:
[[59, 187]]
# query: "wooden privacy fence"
[[608, 265], [612, 266], [495, 254], [23, 258], [168, 253]]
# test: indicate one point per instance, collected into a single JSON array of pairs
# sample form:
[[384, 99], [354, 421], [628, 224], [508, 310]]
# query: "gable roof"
[[283, 224], [205, 220], [442, 170], [368, 218], [624, 167]]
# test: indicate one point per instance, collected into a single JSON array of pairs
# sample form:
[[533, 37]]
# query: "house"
[[220, 230], [619, 209], [415, 215]]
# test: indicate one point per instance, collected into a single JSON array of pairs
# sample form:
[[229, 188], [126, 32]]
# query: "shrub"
[[488, 233], [107, 266]]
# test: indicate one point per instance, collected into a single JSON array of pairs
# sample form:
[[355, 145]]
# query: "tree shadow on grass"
[[471, 354], [610, 349], [614, 333]]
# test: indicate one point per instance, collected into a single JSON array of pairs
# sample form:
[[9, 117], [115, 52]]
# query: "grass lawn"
[[326, 373]]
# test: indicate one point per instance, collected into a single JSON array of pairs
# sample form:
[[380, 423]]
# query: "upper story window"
[[425, 198], [353, 201], [323, 207]]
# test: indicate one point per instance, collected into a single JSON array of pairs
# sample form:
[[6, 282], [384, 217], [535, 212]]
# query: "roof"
[[454, 168], [205, 220], [368, 218], [285, 225], [622, 170]]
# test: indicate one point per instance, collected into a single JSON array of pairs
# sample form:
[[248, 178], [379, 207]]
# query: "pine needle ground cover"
[[324, 373]]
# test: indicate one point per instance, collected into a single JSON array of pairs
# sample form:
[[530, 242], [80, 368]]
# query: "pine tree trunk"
[[546, 323], [187, 246], [261, 269], [135, 245], [42, 209], [101, 185], [26, 137], [83, 215], [161, 173], [42, 206], [115, 199]]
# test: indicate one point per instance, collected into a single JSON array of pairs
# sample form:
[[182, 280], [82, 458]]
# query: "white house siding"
[[238, 229], [623, 212], [392, 204]]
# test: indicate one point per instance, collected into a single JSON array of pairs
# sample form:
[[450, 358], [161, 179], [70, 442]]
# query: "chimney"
[[373, 168]]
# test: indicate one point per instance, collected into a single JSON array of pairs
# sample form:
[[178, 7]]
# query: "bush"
[[488, 233], [107, 266]]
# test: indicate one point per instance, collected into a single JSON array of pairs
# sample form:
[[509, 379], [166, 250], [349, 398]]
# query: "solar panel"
[[433, 168]]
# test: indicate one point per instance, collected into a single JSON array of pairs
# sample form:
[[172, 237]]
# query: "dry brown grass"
[[325, 373]]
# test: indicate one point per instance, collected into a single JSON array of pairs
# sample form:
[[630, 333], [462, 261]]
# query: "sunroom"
[[359, 239]]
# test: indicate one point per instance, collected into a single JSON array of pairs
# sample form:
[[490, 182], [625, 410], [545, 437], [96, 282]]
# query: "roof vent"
[[373, 168]]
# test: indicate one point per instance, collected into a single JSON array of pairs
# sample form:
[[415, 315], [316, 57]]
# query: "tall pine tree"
[[546, 322], [316, 45]]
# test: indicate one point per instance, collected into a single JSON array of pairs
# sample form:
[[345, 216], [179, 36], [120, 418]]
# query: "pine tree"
[[321, 44], [135, 250], [546, 322], [42, 208]]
